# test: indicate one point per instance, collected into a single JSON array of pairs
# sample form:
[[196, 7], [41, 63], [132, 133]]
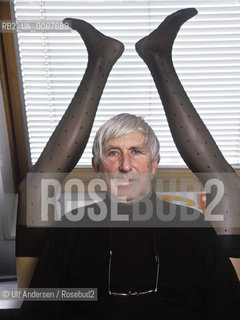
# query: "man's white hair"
[[122, 124]]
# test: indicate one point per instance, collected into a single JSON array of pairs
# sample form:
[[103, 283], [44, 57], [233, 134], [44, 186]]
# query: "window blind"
[[206, 56]]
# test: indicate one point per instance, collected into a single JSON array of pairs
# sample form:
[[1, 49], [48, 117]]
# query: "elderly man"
[[160, 260], [169, 271]]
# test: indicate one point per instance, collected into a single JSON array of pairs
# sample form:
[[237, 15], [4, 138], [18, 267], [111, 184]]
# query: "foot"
[[161, 40], [98, 45]]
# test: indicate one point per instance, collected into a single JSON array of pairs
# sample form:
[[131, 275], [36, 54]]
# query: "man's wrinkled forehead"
[[127, 141]]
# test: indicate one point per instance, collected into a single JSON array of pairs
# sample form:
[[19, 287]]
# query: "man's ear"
[[155, 164], [96, 168]]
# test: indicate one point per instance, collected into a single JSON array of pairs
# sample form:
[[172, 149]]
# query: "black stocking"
[[69, 139], [191, 136]]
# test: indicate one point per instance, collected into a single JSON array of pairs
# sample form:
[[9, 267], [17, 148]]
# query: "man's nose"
[[125, 164]]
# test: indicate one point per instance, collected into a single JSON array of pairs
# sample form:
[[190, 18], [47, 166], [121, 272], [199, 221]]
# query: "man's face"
[[127, 167]]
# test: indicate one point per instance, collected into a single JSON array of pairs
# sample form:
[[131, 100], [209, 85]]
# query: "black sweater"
[[196, 279]]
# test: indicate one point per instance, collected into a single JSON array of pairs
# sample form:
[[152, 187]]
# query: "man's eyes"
[[114, 153]]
